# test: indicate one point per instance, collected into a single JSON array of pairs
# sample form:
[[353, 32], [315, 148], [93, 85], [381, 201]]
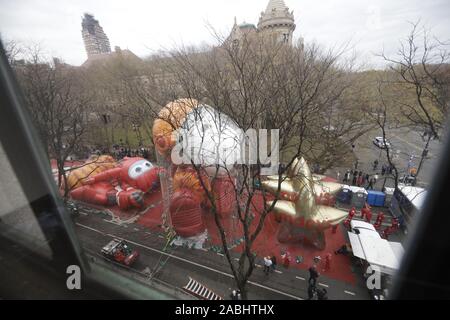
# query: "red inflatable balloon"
[[124, 185]]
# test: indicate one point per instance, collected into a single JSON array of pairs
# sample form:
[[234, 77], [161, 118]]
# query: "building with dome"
[[276, 22]]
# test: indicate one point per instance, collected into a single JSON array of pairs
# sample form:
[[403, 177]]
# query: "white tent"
[[355, 189], [379, 253], [361, 225], [397, 248]]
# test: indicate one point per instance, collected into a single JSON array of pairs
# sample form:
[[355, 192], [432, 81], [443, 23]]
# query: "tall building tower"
[[95, 39], [277, 21]]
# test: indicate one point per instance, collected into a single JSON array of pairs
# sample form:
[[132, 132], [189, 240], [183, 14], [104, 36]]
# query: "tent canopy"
[[357, 224], [379, 253], [354, 189]]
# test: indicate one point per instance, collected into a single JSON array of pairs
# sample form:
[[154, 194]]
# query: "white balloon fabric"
[[211, 139]]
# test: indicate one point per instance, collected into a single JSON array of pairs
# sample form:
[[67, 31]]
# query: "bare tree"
[[259, 84], [57, 103], [422, 71], [381, 114], [13, 51]]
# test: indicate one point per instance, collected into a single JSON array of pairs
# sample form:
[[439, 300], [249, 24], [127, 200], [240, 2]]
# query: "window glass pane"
[[17, 220]]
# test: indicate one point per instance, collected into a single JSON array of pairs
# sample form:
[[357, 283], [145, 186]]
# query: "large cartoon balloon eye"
[[138, 168]]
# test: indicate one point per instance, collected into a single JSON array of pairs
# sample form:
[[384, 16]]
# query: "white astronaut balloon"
[[211, 139]]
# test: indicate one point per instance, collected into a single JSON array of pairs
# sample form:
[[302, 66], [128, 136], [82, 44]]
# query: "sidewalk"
[[366, 168]]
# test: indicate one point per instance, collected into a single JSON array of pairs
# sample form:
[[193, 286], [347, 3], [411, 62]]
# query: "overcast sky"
[[148, 26]]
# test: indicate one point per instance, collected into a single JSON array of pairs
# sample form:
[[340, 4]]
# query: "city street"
[[175, 265], [404, 144]]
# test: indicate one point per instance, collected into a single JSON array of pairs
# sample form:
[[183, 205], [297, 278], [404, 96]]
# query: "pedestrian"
[[235, 295], [375, 164], [370, 186], [316, 168], [383, 169], [313, 275], [355, 177], [338, 174], [359, 180], [267, 265], [346, 176], [274, 262], [375, 178], [345, 249], [311, 291], [322, 294], [366, 178]]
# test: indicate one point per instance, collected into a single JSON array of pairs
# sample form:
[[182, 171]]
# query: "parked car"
[[378, 141], [119, 251]]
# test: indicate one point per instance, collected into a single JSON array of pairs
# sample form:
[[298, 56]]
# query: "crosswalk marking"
[[200, 290], [349, 292]]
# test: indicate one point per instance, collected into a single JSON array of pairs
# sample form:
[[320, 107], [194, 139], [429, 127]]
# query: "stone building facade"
[[276, 22]]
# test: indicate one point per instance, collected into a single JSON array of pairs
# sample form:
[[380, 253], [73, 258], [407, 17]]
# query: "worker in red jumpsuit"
[[352, 213], [286, 260], [386, 233], [365, 210], [327, 266], [379, 221], [380, 218], [350, 216], [368, 215]]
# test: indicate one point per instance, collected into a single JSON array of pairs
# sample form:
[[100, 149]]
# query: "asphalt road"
[[176, 264], [405, 143]]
